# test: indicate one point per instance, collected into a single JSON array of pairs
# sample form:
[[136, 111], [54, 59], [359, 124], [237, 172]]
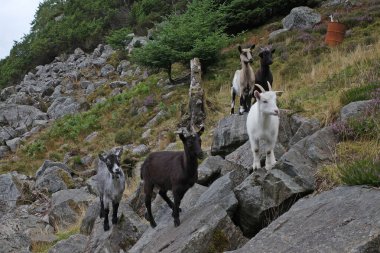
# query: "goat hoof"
[[153, 224], [177, 223], [106, 227]]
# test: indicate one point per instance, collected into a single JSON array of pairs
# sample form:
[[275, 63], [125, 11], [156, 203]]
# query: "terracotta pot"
[[335, 33]]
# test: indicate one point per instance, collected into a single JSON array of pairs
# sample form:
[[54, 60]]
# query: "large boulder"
[[203, 229], [54, 179], [74, 244], [63, 106], [266, 194], [355, 109], [48, 164], [345, 219], [9, 192], [210, 169], [221, 191], [6, 92], [67, 206], [19, 115], [301, 18], [120, 237], [230, 133]]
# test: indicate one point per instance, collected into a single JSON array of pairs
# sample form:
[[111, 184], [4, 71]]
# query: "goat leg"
[[115, 207], [233, 95], [178, 195], [148, 214], [167, 199], [101, 208], [242, 105], [106, 225]]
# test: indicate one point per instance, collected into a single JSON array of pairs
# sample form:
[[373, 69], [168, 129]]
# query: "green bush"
[[358, 93], [362, 172], [118, 39], [35, 148], [124, 136]]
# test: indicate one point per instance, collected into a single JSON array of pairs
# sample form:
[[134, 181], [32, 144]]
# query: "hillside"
[[72, 107]]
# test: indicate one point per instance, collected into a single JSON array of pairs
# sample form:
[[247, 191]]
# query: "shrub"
[[124, 136], [35, 148], [358, 93], [119, 39], [362, 172]]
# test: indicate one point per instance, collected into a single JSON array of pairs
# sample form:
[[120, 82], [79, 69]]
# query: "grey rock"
[[68, 206], [119, 84], [63, 106], [355, 109], [91, 184], [142, 109], [54, 179], [107, 51], [127, 73], [230, 133], [40, 123], [210, 169], [88, 221], [74, 244], [13, 144], [87, 160], [100, 100], [57, 92], [268, 193], [123, 66], [84, 84], [115, 92], [141, 150], [301, 18], [91, 137], [48, 164], [243, 155], [7, 133], [159, 116], [98, 62], [195, 234], [221, 191], [4, 150], [345, 219], [16, 115], [274, 34], [90, 88], [107, 70], [20, 98], [9, 193], [7, 92], [120, 237], [146, 134]]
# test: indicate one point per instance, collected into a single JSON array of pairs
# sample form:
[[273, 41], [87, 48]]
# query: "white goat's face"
[[246, 54], [112, 161], [267, 102]]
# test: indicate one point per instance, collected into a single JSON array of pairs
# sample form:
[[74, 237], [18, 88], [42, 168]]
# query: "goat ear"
[[273, 50], [257, 95], [252, 47], [200, 132], [118, 152], [102, 157], [239, 48]]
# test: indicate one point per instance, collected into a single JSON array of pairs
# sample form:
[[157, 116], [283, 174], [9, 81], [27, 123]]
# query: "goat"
[[110, 184], [170, 170], [243, 81], [263, 123], [264, 75]]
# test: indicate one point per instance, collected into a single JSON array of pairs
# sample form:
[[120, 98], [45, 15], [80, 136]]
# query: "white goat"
[[243, 82], [263, 123], [110, 184]]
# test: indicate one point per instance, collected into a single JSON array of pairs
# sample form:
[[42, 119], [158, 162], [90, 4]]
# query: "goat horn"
[[269, 86], [260, 87]]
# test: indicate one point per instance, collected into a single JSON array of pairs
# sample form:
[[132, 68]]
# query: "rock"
[[221, 191], [107, 51], [243, 155], [202, 229], [84, 84], [210, 169], [74, 244], [16, 115], [142, 109], [274, 34], [355, 109], [7, 133], [120, 237], [301, 18], [146, 134], [4, 150], [119, 84], [88, 221], [345, 219], [159, 116], [92, 185], [9, 193], [63, 106], [123, 66], [90, 88], [107, 70], [68, 206], [13, 144], [140, 150], [91, 137], [267, 194], [230, 133], [40, 123], [115, 92], [48, 164], [7, 92], [54, 179]]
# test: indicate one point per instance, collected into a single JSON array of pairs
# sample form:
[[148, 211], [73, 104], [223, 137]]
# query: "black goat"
[[170, 170], [264, 75]]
